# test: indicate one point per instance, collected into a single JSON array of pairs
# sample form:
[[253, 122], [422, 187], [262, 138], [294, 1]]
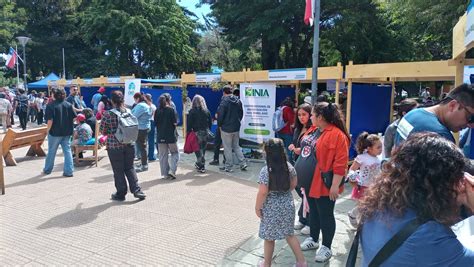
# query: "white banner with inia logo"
[[132, 86], [258, 101]]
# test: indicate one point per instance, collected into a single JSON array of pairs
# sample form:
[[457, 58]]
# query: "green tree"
[[147, 38], [12, 21], [215, 50], [425, 25], [53, 25]]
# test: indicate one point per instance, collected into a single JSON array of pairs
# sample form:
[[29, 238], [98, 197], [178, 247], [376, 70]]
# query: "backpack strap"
[[388, 249], [395, 242]]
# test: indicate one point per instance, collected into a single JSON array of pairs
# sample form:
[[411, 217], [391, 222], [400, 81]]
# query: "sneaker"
[[243, 167], [306, 230], [202, 170], [196, 166], [171, 176], [142, 168], [68, 175], [309, 244], [225, 169], [139, 194], [323, 254], [353, 220], [298, 225], [214, 162], [116, 197]]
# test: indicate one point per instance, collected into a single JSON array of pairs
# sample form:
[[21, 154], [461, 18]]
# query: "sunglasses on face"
[[470, 116]]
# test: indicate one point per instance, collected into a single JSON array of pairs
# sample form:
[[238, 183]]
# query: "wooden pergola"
[[247, 76], [390, 73]]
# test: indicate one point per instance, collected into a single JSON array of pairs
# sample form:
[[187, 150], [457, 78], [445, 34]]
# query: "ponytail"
[[365, 140], [332, 114]]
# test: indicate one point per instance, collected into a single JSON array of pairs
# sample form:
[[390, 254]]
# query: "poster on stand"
[[258, 102], [132, 86]]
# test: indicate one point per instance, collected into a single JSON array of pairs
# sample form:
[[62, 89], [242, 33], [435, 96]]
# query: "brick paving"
[[197, 220]]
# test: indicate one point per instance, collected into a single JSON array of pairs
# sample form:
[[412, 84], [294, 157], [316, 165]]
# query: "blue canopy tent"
[[42, 85]]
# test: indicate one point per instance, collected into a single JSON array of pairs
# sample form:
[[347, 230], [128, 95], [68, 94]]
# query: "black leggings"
[[322, 219]]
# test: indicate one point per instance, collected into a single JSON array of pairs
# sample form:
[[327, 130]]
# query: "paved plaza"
[[196, 220]]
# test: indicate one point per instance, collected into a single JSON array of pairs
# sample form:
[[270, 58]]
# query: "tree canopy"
[[153, 38]]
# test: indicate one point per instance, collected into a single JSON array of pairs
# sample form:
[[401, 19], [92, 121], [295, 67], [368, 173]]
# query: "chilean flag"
[[11, 59], [309, 13]]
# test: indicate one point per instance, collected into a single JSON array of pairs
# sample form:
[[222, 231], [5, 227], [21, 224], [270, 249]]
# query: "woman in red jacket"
[[332, 154]]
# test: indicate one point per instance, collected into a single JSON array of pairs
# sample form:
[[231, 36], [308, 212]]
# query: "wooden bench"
[[95, 148], [16, 139]]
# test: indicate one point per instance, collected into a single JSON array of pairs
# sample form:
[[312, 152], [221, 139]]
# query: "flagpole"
[[314, 78], [64, 66], [17, 70]]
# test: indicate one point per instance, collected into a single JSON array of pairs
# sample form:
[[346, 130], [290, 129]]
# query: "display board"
[[132, 86], [370, 110], [258, 102]]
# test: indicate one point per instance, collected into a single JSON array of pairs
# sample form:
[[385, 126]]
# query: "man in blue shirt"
[[452, 114], [96, 98]]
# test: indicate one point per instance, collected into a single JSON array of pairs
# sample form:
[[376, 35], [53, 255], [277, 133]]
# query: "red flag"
[[309, 13], [11, 59]]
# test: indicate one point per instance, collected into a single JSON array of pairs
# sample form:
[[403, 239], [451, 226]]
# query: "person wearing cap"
[[60, 116], [97, 97], [452, 114], [82, 132], [5, 109]]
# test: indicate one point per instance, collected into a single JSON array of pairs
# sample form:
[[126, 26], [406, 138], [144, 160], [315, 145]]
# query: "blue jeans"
[[151, 141], [287, 140], [53, 144]]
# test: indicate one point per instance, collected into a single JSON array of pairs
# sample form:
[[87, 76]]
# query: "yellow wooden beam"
[[405, 71]]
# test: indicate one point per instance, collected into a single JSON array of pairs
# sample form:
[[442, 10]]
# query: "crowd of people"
[[423, 183], [423, 179]]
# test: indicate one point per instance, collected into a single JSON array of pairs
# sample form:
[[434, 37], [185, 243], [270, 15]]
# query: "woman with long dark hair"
[[304, 138], [423, 182], [199, 121], [332, 155], [121, 155], [166, 122]]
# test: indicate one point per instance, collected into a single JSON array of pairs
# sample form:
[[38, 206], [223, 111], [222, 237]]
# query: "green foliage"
[[425, 26], [12, 21], [145, 38], [6, 80], [365, 31], [215, 50]]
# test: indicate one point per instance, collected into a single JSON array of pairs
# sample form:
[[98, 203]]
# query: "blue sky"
[[191, 5]]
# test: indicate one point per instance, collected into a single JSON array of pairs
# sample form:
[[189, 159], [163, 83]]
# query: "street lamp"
[[23, 40]]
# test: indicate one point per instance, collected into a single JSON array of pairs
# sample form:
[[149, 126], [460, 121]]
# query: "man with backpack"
[[60, 120], [229, 115], [21, 104], [283, 120], [121, 129]]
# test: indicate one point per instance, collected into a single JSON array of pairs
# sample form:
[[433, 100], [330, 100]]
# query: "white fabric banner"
[[132, 86], [469, 33], [258, 101]]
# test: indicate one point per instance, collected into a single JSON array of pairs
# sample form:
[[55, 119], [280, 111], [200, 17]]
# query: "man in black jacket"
[[229, 115]]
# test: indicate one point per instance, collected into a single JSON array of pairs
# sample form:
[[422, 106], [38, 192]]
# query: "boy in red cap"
[[82, 132]]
